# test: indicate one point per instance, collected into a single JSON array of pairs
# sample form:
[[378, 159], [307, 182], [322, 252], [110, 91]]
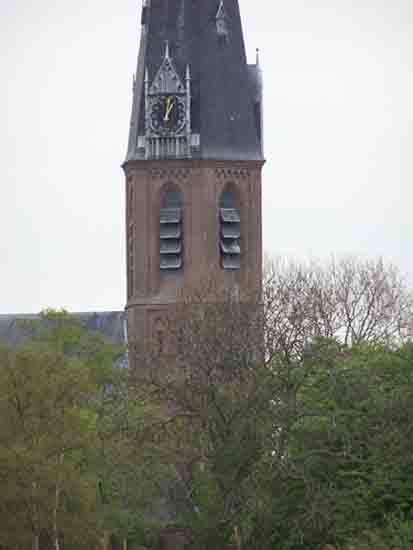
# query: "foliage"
[[346, 460], [67, 435], [396, 534], [282, 425]]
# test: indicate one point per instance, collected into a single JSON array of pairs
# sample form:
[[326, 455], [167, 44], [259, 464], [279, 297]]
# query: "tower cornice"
[[141, 164]]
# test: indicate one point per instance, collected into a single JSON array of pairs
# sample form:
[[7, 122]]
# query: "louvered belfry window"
[[171, 234], [230, 232]]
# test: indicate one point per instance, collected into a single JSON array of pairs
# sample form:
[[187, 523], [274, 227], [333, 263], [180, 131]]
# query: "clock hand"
[[168, 110]]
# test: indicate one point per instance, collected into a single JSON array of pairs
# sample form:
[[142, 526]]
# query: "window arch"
[[171, 234], [230, 229]]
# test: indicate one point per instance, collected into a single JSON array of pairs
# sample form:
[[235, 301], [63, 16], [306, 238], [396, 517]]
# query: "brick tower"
[[194, 160]]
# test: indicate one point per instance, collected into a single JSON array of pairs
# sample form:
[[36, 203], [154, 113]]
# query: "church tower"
[[194, 160]]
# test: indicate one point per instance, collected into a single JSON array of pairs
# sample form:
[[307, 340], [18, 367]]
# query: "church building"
[[194, 161], [193, 168]]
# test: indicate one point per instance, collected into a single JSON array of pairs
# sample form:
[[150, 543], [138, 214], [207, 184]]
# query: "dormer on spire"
[[222, 20], [221, 13]]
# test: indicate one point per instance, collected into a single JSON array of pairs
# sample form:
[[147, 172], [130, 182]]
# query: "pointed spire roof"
[[185, 33]]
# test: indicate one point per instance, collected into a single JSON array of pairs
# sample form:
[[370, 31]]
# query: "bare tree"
[[350, 299], [216, 392]]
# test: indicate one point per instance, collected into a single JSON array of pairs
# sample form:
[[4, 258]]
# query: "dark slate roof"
[[111, 325], [225, 89]]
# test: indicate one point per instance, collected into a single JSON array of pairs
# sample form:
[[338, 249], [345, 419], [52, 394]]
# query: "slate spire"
[[204, 41]]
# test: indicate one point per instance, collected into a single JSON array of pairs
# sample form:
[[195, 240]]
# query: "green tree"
[[47, 432], [345, 464]]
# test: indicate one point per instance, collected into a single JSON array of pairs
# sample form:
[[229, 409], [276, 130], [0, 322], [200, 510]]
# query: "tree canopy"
[[282, 424]]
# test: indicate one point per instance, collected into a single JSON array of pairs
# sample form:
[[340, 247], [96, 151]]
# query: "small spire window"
[[171, 234], [230, 231]]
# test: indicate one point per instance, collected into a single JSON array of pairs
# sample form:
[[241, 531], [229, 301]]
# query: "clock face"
[[167, 114]]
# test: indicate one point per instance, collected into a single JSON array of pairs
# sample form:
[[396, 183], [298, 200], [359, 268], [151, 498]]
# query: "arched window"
[[171, 234], [230, 230], [159, 337]]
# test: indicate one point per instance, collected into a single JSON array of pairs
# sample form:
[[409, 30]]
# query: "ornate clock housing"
[[167, 115]]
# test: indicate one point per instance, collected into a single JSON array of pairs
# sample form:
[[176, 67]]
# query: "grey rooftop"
[[111, 325]]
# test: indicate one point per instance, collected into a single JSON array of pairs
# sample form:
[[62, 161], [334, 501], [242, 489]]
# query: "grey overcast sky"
[[338, 129]]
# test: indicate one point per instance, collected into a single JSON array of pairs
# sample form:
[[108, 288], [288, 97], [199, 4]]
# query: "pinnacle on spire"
[[167, 56], [145, 10]]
